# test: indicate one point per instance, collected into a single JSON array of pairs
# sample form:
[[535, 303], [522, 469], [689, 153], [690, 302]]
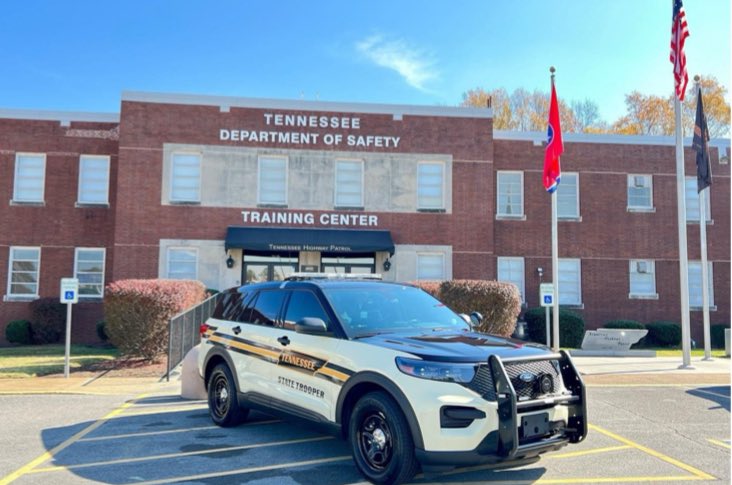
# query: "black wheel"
[[381, 442], [223, 405]]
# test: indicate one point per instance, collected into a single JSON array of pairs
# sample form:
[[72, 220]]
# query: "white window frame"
[[259, 179], [577, 303], [565, 176], [699, 305], [420, 202], [9, 293], [79, 199], [633, 269], [499, 214], [173, 156], [179, 248], [18, 155], [521, 284], [430, 254], [104, 270], [631, 183], [338, 203], [689, 191]]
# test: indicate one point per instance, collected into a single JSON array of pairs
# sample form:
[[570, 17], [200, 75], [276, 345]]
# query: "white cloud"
[[413, 65]]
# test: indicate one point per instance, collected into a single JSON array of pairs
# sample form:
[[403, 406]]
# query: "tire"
[[381, 442], [223, 404]]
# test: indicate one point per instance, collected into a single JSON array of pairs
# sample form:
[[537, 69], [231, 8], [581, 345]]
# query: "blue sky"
[[80, 55]]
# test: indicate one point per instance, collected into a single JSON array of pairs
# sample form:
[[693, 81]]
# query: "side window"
[[304, 304], [267, 308]]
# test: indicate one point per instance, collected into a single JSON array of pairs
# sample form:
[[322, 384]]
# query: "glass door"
[[267, 268]]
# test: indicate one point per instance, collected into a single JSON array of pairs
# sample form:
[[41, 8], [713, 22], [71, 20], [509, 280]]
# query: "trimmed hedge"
[[499, 303], [48, 320], [628, 324], [716, 333], [19, 332], [431, 287], [571, 326], [663, 334], [137, 312]]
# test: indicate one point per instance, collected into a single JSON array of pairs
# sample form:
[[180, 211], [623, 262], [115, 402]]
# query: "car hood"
[[451, 346]]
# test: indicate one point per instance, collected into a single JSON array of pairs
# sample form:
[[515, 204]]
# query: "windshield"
[[388, 308]]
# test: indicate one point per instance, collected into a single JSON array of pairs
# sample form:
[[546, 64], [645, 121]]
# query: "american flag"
[[679, 33]]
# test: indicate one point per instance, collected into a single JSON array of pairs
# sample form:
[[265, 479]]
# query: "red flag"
[[554, 146], [679, 33]]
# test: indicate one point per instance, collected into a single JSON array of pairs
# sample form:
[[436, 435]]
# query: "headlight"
[[436, 371]]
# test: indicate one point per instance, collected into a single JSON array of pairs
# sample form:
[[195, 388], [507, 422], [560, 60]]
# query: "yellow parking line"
[[694, 471], [587, 452], [27, 468], [720, 443], [145, 412], [176, 455], [642, 478], [242, 471]]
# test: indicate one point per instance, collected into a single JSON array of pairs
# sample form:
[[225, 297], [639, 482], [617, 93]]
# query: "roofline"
[[305, 105], [538, 137], [61, 116]]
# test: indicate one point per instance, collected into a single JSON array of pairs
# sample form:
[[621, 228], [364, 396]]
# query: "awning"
[[292, 239]]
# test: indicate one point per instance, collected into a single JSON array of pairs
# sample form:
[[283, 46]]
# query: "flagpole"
[[704, 268], [683, 256], [555, 262]]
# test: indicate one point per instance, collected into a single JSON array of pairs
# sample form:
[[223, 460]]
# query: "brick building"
[[229, 190]]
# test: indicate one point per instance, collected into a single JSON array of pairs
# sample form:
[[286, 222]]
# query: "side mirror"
[[476, 319], [311, 326]]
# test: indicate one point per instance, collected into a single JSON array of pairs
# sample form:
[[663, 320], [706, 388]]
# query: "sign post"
[[546, 297], [69, 295]]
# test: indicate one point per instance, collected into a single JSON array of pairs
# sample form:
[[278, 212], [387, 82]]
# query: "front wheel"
[[382, 445], [223, 405]]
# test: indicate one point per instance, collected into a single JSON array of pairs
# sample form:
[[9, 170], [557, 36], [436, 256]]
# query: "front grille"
[[537, 370], [482, 383]]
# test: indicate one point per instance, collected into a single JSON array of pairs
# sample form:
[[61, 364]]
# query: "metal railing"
[[183, 331]]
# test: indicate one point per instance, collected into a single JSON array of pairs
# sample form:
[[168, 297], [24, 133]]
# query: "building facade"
[[234, 190]]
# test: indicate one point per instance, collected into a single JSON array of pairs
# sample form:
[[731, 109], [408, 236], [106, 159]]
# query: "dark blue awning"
[[292, 239]]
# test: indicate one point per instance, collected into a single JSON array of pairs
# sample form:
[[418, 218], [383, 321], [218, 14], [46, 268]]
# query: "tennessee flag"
[[554, 146]]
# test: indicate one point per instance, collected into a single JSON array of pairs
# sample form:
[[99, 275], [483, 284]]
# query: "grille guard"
[[508, 406]]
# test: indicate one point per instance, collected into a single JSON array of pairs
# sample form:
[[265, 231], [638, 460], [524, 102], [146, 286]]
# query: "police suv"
[[391, 369]]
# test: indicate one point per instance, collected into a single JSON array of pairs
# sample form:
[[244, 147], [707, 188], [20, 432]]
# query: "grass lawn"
[[41, 360], [716, 353]]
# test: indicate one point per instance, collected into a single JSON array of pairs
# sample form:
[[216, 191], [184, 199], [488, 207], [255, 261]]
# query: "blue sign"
[[548, 299], [68, 295]]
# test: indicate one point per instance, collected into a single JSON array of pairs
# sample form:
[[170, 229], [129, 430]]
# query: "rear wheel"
[[381, 442], [223, 405]]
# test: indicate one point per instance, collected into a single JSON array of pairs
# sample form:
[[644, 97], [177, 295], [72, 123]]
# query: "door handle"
[[284, 340], [236, 330]]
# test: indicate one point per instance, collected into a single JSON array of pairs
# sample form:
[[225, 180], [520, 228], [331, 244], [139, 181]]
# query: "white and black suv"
[[390, 369]]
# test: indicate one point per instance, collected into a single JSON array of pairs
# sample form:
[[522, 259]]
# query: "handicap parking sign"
[[69, 295], [69, 290], [548, 299]]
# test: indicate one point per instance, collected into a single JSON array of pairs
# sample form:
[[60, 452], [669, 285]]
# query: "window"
[[267, 307], [430, 185], [272, 181], [640, 192], [642, 278], [185, 178], [89, 270], [23, 271], [510, 194], [692, 202], [568, 196], [183, 263], [511, 270], [30, 177], [303, 304], [570, 284], [695, 284], [93, 180], [349, 183], [431, 266]]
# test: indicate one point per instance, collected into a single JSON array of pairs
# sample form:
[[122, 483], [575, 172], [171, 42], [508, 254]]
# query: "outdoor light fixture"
[[387, 265], [540, 270], [230, 262]]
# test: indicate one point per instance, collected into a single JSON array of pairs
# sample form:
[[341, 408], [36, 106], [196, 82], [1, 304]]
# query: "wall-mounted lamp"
[[387, 265], [230, 262], [540, 270]]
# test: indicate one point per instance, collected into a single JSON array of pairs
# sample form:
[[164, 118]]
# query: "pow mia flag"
[[701, 137]]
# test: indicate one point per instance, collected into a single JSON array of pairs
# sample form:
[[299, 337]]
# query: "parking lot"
[[638, 433]]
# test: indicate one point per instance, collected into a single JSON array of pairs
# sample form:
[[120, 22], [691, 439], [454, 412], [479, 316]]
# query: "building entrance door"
[[267, 268], [361, 265]]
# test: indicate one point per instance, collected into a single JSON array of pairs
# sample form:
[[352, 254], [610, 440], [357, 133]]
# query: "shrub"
[[19, 332], [102, 331], [48, 320], [717, 335], [137, 312], [663, 334], [629, 324], [431, 287], [571, 326], [499, 303]]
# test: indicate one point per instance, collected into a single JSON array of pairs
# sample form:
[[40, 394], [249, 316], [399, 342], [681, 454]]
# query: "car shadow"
[[717, 394]]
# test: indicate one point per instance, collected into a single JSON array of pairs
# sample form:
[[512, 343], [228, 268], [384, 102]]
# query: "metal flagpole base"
[[686, 367], [707, 359]]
